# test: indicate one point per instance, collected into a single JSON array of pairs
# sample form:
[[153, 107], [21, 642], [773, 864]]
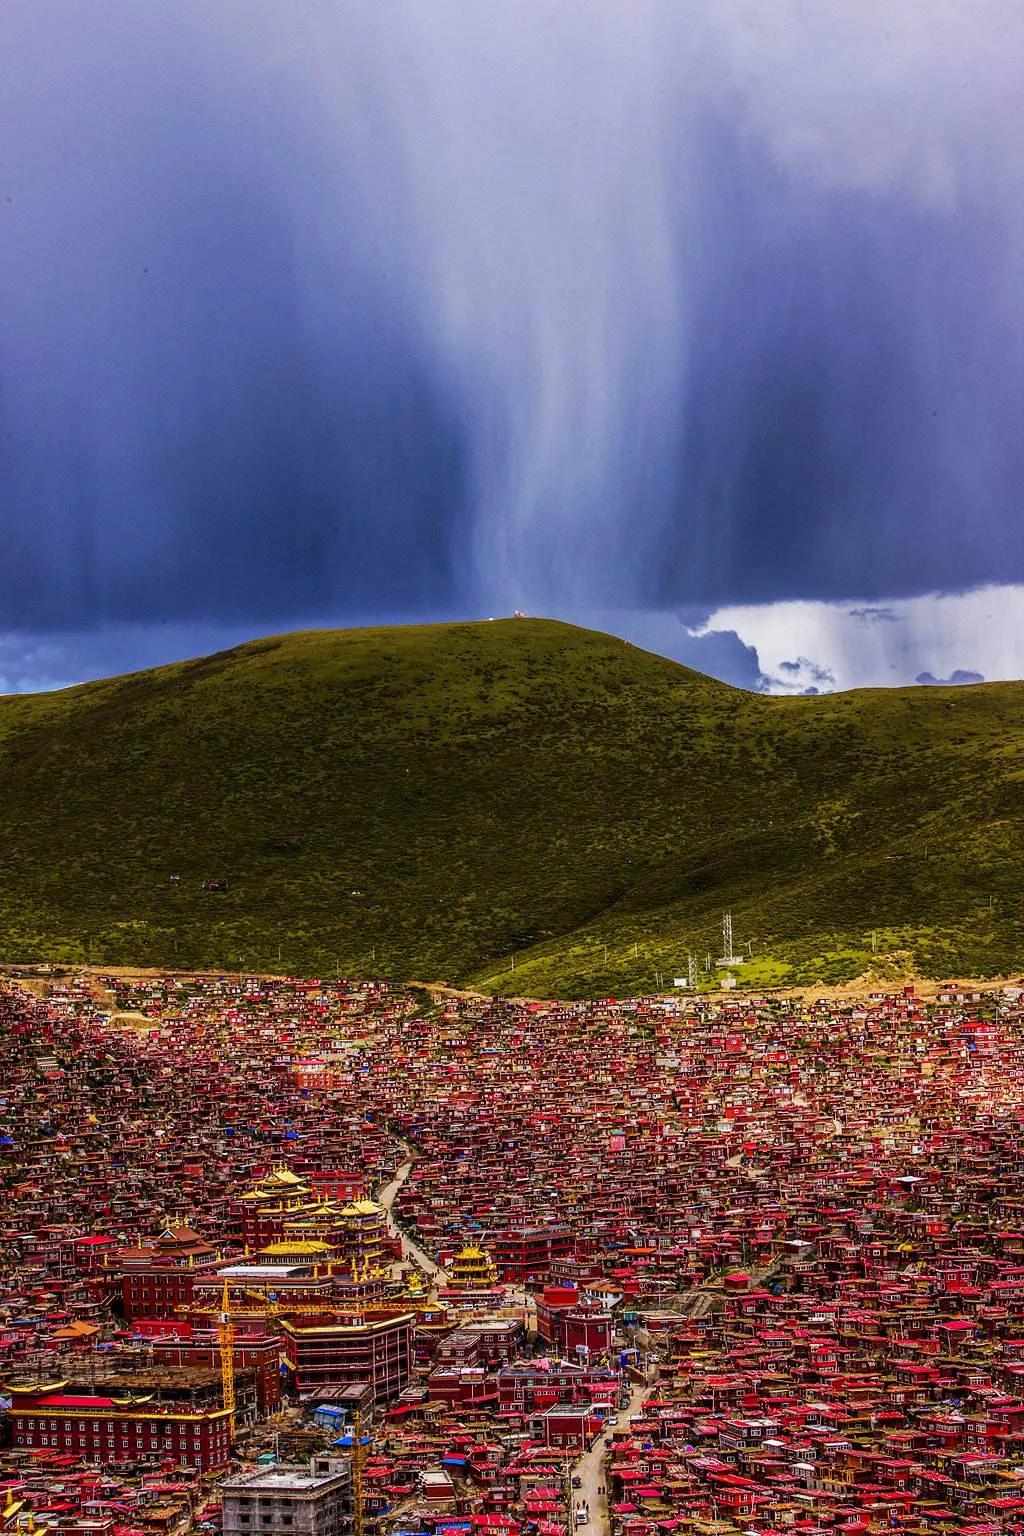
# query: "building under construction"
[[285, 1500]]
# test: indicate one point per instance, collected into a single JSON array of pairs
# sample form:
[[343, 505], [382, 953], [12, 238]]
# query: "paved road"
[[410, 1250], [591, 1470]]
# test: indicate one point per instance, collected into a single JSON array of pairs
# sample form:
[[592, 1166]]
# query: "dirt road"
[[592, 1467], [410, 1250]]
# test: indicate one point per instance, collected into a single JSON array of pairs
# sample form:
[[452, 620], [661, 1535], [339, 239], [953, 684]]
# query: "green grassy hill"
[[430, 802]]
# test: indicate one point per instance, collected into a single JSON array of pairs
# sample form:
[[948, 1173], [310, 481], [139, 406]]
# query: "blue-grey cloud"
[[722, 654], [872, 614], [328, 311], [800, 676], [956, 679]]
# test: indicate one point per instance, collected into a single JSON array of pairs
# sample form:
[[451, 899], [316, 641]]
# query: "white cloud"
[[867, 645]]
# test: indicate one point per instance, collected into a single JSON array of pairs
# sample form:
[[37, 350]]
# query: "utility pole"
[[691, 971]]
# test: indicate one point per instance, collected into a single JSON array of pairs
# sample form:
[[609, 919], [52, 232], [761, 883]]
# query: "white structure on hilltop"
[[727, 956]]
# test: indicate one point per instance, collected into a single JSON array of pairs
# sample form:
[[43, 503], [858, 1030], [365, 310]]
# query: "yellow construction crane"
[[261, 1306], [357, 1473], [226, 1342]]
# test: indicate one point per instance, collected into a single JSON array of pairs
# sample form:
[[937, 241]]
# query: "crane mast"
[[357, 1472], [226, 1343]]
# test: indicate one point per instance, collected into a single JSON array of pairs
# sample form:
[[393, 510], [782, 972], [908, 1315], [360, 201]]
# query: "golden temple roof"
[[299, 1246], [363, 1208]]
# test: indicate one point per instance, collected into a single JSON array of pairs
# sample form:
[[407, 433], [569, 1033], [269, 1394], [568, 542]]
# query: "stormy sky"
[[699, 319]]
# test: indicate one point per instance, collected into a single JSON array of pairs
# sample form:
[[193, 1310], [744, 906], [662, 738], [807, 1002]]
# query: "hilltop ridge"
[[436, 800]]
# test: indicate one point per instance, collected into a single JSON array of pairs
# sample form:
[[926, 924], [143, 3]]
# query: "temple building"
[[279, 1197], [97, 1426], [284, 1209], [364, 1226], [159, 1278], [473, 1269], [279, 1274]]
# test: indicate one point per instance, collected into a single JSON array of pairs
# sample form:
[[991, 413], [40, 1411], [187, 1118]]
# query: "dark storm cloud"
[[854, 425], [317, 311], [197, 418]]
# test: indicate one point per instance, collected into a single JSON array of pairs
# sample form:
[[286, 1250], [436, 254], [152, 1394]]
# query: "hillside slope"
[[432, 801]]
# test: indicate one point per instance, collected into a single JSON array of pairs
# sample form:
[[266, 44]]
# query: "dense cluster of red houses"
[[770, 1252]]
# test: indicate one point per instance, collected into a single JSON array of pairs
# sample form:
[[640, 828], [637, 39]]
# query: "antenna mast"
[[727, 957]]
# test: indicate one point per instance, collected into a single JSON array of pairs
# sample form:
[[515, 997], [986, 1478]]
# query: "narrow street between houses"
[[592, 1467], [410, 1250]]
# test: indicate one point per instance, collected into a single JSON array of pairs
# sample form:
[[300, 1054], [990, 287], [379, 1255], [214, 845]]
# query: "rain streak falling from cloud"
[[337, 309]]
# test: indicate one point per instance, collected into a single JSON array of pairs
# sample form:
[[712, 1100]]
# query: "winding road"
[[410, 1250]]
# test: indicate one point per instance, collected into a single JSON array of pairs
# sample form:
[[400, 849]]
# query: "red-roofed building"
[[106, 1429]]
